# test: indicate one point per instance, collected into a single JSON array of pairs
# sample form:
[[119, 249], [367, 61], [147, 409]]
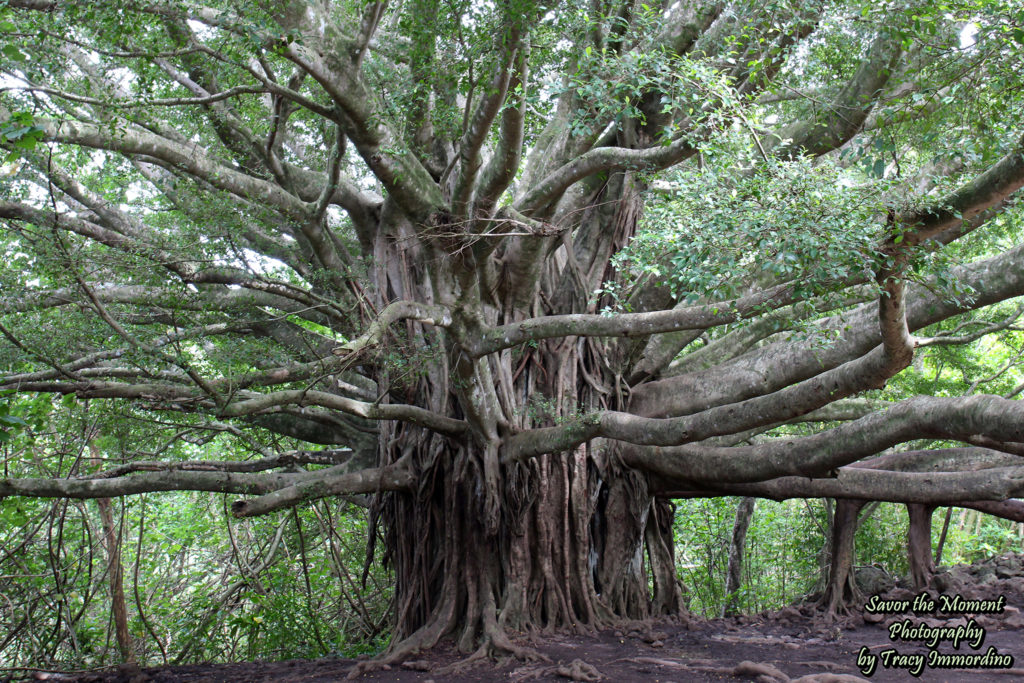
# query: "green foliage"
[[881, 538], [780, 564], [974, 536], [815, 225], [196, 590], [611, 85], [19, 131], [782, 556], [200, 585]]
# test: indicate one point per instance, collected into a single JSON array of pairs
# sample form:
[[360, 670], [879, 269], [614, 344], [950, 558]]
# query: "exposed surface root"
[[644, 630], [757, 671], [463, 665], [576, 670], [423, 639], [763, 673]]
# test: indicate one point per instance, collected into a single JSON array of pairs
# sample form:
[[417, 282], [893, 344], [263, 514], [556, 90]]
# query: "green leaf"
[[13, 53]]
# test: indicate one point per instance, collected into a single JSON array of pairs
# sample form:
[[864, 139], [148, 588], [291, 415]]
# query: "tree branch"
[[366, 481], [629, 324], [944, 488], [778, 365], [817, 455]]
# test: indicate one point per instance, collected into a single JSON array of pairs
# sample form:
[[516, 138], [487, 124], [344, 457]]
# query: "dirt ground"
[[794, 644]]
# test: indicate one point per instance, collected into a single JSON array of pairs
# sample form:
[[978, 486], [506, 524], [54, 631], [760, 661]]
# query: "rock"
[[985, 621], [1012, 617], [1006, 571], [946, 582], [873, 580]]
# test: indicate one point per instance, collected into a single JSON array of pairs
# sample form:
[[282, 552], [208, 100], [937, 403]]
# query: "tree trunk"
[[744, 514], [841, 591], [943, 535], [564, 540], [919, 544], [115, 577], [566, 550], [115, 573]]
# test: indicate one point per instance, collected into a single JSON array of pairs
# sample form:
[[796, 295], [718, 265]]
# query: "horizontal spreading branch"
[[173, 397], [328, 484], [868, 372], [935, 488], [821, 453], [218, 482], [602, 159], [264, 403], [208, 297], [325, 457], [989, 191], [777, 366], [629, 324], [277, 490], [190, 158], [141, 102], [438, 316]]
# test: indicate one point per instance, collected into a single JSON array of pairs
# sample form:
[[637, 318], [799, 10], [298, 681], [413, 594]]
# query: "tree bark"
[[841, 591], [733, 573], [115, 573], [919, 544]]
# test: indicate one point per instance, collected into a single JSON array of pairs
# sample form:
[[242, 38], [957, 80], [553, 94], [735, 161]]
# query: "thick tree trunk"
[[574, 546], [486, 548], [919, 544], [841, 590], [733, 572]]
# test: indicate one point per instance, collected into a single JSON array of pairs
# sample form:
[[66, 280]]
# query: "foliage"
[[716, 234]]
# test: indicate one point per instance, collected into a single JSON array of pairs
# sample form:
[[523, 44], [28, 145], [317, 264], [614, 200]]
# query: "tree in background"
[[540, 269]]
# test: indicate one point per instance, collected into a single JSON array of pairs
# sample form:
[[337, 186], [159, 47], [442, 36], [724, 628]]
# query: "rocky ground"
[[795, 644]]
